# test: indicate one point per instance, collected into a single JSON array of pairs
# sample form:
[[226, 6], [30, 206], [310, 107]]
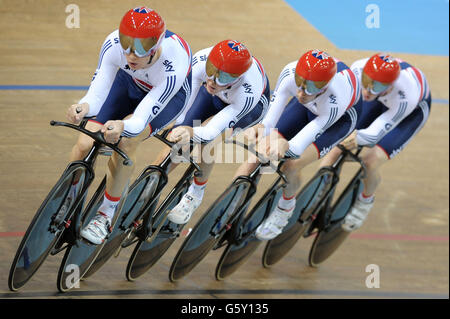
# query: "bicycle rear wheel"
[[45, 230], [206, 233], [234, 254], [329, 239], [141, 192], [308, 201], [147, 253]]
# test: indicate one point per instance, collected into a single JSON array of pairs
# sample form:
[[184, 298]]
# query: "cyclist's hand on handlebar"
[[112, 130], [276, 146], [350, 142], [76, 112], [181, 134]]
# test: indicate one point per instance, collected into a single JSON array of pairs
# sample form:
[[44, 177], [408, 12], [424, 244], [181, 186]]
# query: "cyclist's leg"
[[203, 108], [118, 95], [294, 118], [119, 105], [253, 117], [364, 115], [388, 147], [292, 169]]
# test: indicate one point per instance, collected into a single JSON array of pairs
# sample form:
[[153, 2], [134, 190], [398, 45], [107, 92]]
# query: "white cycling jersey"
[[241, 97], [342, 92], [162, 80], [408, 90]]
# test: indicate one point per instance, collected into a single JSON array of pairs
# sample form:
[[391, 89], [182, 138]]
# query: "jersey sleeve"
[[313, 130], [198, 77], [283, 91], [226, 118], [104, 75], [398, 108], [332, 107]]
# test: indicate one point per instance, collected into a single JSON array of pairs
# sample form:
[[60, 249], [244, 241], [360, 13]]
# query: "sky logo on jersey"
[[142, 10], [321, 55], [247, 88], [168, 65], [236, 46]]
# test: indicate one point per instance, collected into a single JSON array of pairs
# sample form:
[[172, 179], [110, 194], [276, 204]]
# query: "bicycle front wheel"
[[79, 255], [308, 201], [208, 230], [329, 239], [141, 193], [47, 226], [147, 253], [235, 254]]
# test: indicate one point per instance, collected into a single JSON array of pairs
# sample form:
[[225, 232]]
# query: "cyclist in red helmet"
[[315, 105], [142, 83], [230, 91], [396, 105]]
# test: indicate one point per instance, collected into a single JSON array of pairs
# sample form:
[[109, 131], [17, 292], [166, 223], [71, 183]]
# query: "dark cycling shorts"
[[124, 96]]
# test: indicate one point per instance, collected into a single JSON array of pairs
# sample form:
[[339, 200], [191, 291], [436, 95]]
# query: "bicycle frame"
[[238, 216], [319, 215], [147, 232], [88, 163]]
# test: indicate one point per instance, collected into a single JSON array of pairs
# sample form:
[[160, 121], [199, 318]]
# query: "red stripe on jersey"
[[148, 86], [354, 85], [261, 69], [419, 77], [186, 48]]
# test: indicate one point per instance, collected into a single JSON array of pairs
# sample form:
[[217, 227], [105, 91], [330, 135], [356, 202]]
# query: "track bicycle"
[[58, 219], [136, 221], [314, 215], [225, 221], [158, 233]]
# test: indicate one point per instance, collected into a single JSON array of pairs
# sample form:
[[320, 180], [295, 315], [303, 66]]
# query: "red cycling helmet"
[[316, 65], [314, 71], [141, 30], [382, 68], [231, 56]]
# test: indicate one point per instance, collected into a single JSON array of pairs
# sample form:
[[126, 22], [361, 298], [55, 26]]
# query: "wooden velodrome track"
[[406, 234]]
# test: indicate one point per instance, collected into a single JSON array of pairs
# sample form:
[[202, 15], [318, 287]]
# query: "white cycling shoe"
[[97, 230], [357, 215], [273, 225], [181, 213]]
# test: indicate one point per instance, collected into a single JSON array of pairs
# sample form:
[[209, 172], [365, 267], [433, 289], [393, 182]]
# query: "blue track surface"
[[407, 26]]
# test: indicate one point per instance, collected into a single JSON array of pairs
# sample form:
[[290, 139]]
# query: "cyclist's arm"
[[154, 103], [198, 77], [284, 89], [383, 124], [328, 114], [103, 77], [226, 118]]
